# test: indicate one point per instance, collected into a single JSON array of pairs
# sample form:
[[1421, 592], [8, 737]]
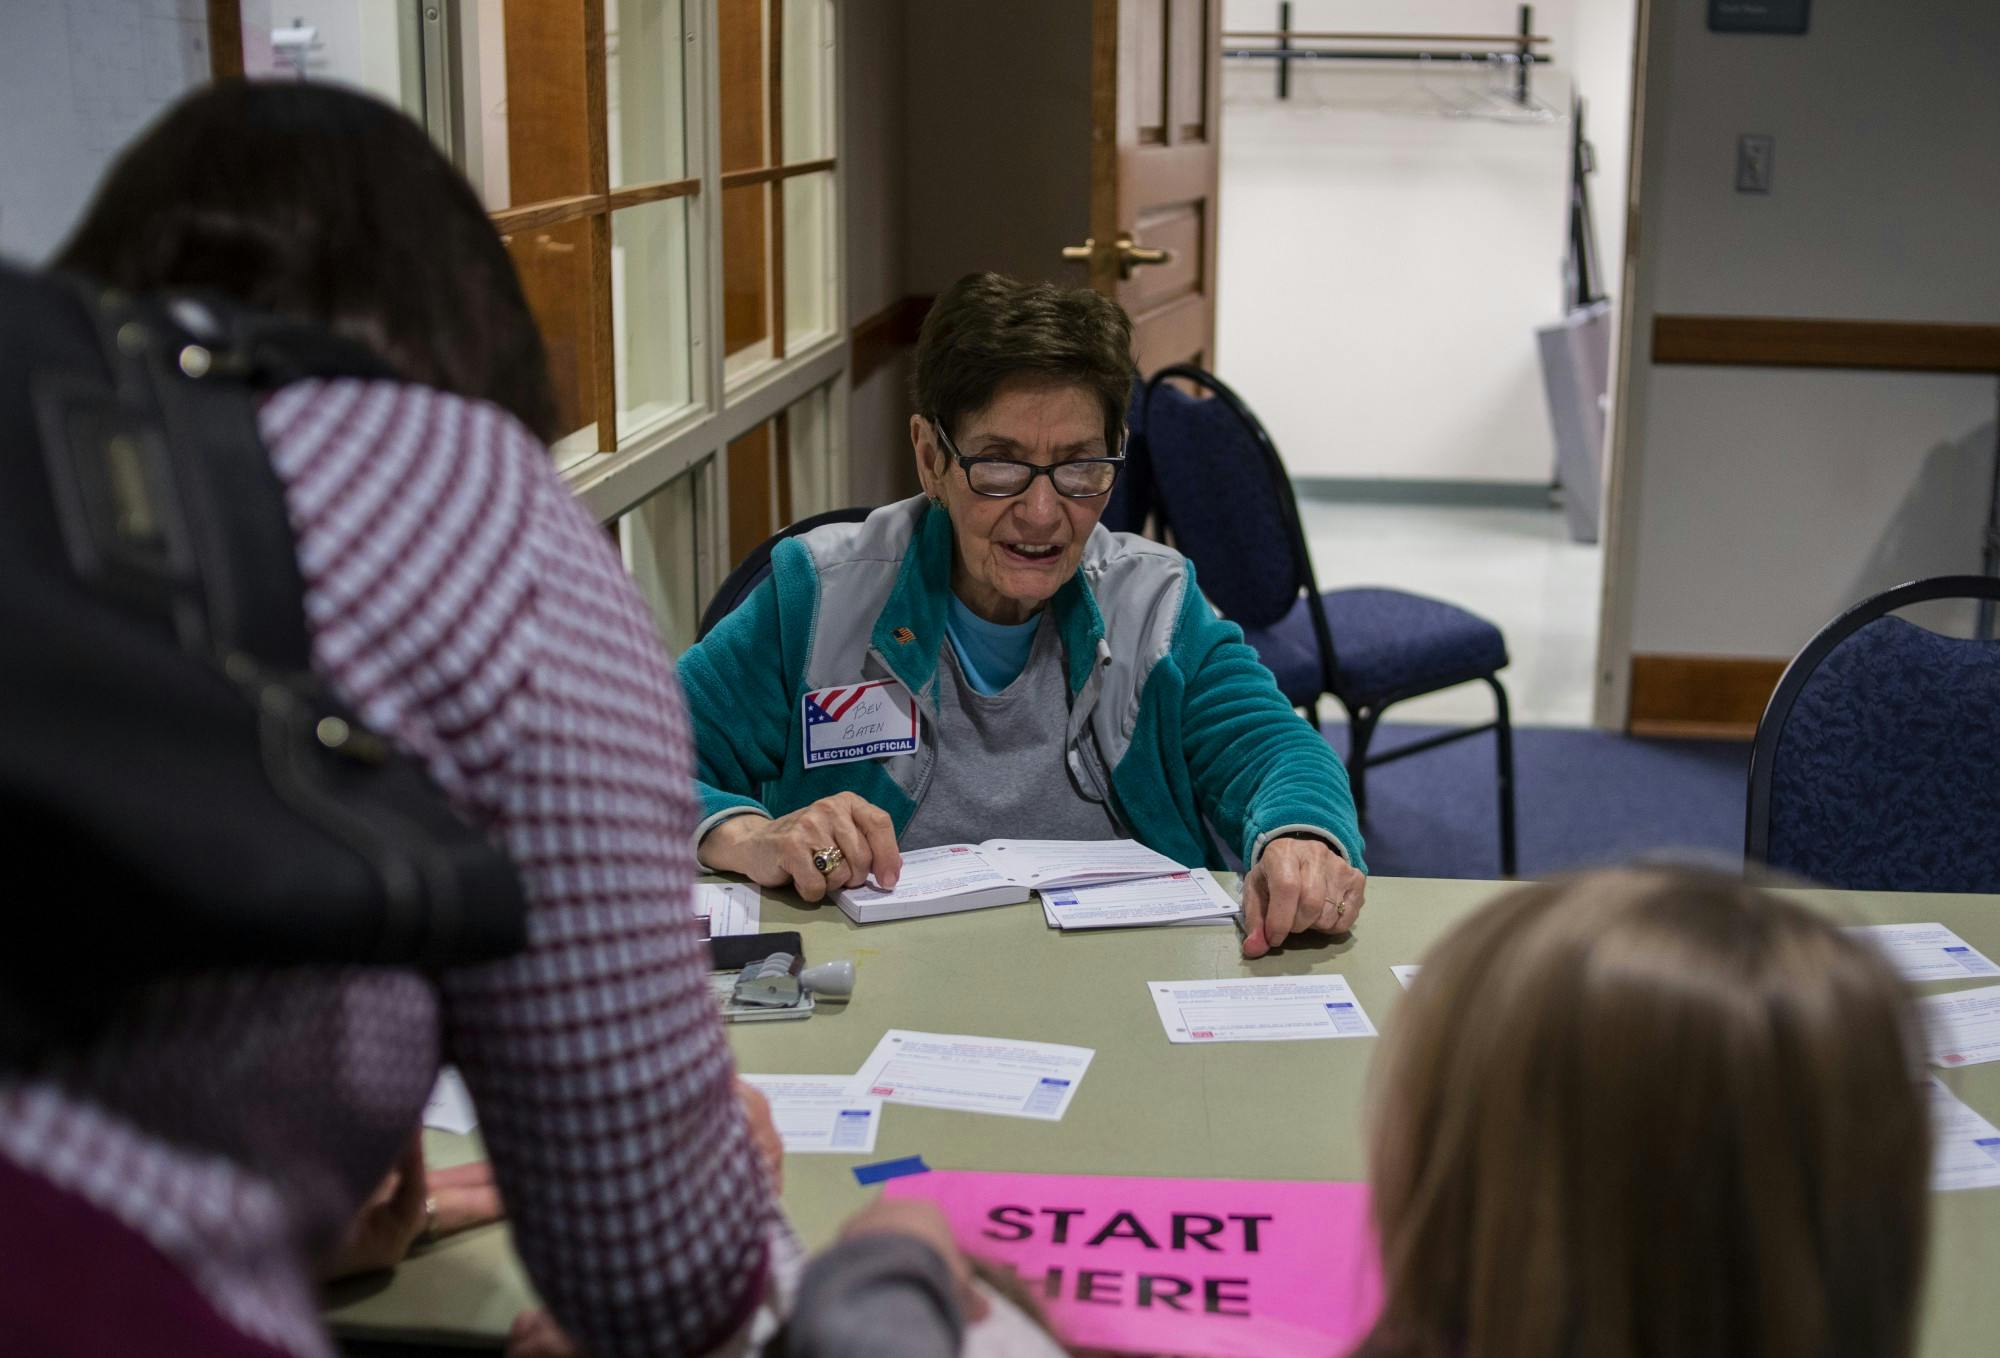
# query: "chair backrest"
[[752, 569], [1131, 501], [1877, 764], [1220, 487]]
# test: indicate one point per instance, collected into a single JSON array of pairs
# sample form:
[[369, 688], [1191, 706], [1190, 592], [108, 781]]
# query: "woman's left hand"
[[382, 1232], [395, 1216], [1300, 885]]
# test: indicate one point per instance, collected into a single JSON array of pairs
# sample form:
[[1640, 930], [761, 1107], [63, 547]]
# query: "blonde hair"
[[1647, 1114]]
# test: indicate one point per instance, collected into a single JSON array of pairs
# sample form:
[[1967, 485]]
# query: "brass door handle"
[[1130, 256]]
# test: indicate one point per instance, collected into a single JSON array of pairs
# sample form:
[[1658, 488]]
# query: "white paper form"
[[1198, 922], [1963, 1027], [1150, 900], [931, 874], [1966, 1153], [974, 1074], [449, 1108], [1075, 862], [1260, 1009], [821, 1114], [727, 908], [1406, 974], [1926, 952]]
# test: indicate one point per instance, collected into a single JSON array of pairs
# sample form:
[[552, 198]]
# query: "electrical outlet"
[[1753, 162]]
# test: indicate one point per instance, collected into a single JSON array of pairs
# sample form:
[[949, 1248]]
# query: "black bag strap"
[[165, 490], [169, 511]]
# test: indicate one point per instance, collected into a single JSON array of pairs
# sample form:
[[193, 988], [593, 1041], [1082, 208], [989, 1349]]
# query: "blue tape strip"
[[890, 1169]]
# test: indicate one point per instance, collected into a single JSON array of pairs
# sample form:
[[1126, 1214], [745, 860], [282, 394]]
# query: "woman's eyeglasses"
[[1001, 478]]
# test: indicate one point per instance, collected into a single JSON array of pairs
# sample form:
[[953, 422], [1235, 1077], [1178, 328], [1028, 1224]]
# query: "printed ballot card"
[[821, 1114], [1171, 899], [1966, 1147], [726, 908], [858, 721], [449, 1108], [1406, 973], [1963, 1027], [1926, 952], [1260, 1009], [974, 1074]]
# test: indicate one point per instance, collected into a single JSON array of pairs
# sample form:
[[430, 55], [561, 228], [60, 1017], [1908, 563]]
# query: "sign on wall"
[[1234, 1268], [1758, 16]]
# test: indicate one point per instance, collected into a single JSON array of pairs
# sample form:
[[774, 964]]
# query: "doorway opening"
[[1418, 301]]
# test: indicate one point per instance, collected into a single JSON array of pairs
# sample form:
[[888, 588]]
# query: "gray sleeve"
[[877, 1296]]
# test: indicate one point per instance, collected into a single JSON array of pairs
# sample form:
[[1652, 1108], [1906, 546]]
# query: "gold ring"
[[827, 859]]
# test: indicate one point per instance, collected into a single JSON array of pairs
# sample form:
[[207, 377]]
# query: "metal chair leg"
[[1503, 740], [1361, 731]]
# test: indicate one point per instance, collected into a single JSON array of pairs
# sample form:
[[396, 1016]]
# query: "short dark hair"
[[986, 328], [322, 205]]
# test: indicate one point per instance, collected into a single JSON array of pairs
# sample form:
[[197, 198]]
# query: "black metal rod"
[[1285, 41], [1428, 743], [1989, 559], [1287, 55], [1523, 52]]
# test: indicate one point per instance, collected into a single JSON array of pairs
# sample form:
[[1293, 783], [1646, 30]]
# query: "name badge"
[[858, 721]]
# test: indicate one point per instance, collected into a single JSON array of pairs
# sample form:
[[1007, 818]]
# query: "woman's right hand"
[[922, 1221], [779, 851]]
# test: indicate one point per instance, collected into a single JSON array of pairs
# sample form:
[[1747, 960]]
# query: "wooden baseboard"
[[1700, 697], [879, 338], [1787, 342]]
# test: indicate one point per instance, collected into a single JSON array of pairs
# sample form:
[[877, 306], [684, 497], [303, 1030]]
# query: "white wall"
[[78, 79], [1384, 264], [1757, 503]]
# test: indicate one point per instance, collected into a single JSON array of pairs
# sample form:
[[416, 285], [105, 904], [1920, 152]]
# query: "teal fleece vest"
[[1174, 720]]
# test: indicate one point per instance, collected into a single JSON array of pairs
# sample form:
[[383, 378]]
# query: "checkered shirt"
[[463, 602]]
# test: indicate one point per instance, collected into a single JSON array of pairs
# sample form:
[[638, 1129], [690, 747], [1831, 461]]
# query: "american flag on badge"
[[831, 704]]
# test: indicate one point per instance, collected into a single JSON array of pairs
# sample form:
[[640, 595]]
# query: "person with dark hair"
[[1072, 682], [1650, 1112], [201, 1158], [317, 204]]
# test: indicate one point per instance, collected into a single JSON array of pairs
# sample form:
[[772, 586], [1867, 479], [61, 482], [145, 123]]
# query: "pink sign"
[[1228, 1268]]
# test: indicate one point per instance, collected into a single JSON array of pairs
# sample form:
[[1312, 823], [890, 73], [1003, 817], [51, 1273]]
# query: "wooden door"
[[1156, 93]]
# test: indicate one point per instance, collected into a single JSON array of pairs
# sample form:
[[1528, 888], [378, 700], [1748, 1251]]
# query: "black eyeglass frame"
[[1116, 461]]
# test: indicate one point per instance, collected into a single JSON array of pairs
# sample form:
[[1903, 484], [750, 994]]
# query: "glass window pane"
[[521, 75], [809, 472], [746, 276], [651, 304], [809, 274], [555, 268], [646, 44], [806, 57], [373, 45], [661, 541], [745, 70]]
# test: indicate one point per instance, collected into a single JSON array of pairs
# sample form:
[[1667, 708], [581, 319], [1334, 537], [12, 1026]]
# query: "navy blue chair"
[[1877, 763], [1222, 492], [1131, 499], [752, 569]]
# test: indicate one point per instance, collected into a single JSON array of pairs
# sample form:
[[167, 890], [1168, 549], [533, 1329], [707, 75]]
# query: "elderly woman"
[[1065, 682]]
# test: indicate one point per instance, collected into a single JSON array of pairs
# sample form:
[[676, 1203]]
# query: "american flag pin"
[[904, 636]]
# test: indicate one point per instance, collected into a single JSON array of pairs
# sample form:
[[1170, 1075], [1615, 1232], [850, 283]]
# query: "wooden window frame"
[[619, 475]]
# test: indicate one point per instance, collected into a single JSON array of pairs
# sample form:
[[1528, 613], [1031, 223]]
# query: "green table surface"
[[1240, 1110]]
